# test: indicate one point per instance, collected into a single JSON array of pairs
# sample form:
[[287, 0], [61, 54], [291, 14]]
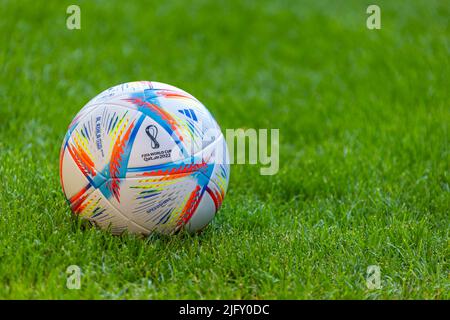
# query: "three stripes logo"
[[188, 113]]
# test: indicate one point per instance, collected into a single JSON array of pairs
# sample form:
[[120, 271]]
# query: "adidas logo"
[[188, 113]]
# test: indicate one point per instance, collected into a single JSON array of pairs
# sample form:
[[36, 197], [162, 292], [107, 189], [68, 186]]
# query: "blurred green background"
[[364, 155]]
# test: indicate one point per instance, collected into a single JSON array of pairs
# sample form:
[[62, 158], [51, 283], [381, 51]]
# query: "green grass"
[[364, 169]]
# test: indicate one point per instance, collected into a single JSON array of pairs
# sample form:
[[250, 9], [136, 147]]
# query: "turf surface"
[[364, 169]]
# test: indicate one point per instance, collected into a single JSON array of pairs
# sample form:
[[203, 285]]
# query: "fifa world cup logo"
[[152, 132]]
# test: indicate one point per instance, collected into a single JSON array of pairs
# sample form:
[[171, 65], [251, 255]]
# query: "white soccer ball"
[[144, 157]]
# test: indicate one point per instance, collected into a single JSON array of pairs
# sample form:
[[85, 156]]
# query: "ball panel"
[[203, 215], [153, 145], [97, 209], [72, 178], [119, 90], [102, 138], [216, 155], [135, 87], [194, 123], [157, 203]]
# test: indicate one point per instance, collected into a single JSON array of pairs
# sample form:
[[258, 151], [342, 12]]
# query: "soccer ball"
[[144, 157]]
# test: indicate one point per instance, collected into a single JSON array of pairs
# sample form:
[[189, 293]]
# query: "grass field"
[[364, 156]]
